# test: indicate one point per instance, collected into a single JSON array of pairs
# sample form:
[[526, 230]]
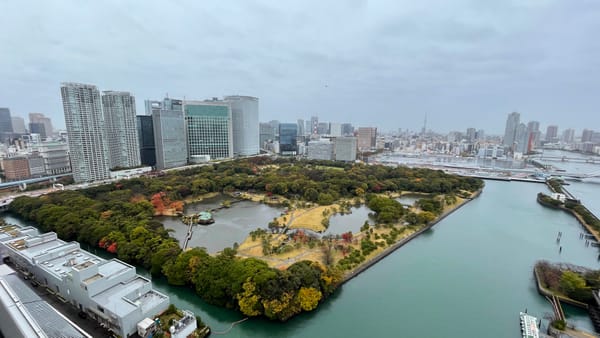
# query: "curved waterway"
[[467, 277]]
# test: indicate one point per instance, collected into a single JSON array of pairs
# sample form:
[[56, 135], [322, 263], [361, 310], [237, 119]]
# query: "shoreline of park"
[[387, 251]]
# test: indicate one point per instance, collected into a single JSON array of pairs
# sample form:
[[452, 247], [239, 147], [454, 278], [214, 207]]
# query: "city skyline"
[[465, 64]]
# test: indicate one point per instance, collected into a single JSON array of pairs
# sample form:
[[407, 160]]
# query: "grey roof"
[[51, 322]]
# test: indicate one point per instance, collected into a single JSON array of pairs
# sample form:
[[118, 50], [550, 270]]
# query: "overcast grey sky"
[[466, 63]]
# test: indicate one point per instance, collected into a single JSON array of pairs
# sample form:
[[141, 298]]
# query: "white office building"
[[335, 129], [244, 113], [345, 149], [169, 132], [55, 155], [320, 150]]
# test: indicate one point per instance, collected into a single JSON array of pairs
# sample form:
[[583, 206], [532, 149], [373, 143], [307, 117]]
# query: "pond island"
[[291, 233]]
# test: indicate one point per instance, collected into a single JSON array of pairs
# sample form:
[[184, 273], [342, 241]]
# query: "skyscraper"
[[18, 124], [323, 128], [6, 128], [209, 129], [471, 134], [266, 133], [88, 148], [314, 125], [301, 131], [552, 134], [145, 133], [568, 136], [288, 134], [123, 144], [586, 135], [521, 139], [38, 128], [533, 127], [347, 129], [244, 117], [480, 135], [40, 118], [510, 132], [335, 129], [367, 138], [169, 133]]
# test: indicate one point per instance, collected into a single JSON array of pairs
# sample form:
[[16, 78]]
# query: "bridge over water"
[[5, 201], [591, 160]]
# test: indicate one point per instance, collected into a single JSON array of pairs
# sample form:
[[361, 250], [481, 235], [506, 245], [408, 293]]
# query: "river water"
[[467, 277]]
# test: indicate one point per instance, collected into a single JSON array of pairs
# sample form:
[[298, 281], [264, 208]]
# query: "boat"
[[529, 326]]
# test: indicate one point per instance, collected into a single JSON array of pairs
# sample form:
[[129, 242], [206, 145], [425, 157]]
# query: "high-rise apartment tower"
[[123, 144], [85, 123]]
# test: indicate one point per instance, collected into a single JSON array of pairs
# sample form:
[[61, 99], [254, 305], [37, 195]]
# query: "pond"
[[339, 224], [232, 225], [410, 199]]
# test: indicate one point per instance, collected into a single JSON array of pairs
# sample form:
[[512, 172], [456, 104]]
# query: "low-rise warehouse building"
[[108, 291]]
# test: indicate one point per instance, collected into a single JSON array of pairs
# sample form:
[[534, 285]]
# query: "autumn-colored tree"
[[177, 205], [112, 248], [281, 308], [347, 236], [157, 202], [249, 301], [309, 298]]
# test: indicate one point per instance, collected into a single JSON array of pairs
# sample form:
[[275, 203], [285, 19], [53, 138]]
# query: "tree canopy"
[[119, 218]]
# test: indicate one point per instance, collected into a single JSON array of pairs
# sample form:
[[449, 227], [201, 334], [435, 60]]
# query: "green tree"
[[571, 281]]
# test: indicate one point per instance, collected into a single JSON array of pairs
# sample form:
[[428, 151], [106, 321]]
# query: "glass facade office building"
[[145, 132], [209, 129], [288, 133]]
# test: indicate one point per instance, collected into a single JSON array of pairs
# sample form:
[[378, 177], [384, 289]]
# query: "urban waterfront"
[[468, 276]]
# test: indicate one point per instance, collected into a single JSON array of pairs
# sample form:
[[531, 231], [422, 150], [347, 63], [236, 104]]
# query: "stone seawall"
[[403, 241]]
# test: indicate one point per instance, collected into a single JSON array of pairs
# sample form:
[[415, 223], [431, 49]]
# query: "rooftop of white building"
[[34, 317], [60, 259], [127, 296]]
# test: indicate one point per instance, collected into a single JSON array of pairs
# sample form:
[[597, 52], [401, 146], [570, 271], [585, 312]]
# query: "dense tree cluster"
[[316, 181], [119, 218], [556, 185], [574, 282], [250, 285], [587, 216], [387, 210]]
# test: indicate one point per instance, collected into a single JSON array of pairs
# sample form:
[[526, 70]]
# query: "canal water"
[[467, 277]]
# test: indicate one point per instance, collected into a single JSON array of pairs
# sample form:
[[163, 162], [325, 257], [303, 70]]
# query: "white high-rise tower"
[[510, 132], [244, 117], [84, 118], [123, 144]]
